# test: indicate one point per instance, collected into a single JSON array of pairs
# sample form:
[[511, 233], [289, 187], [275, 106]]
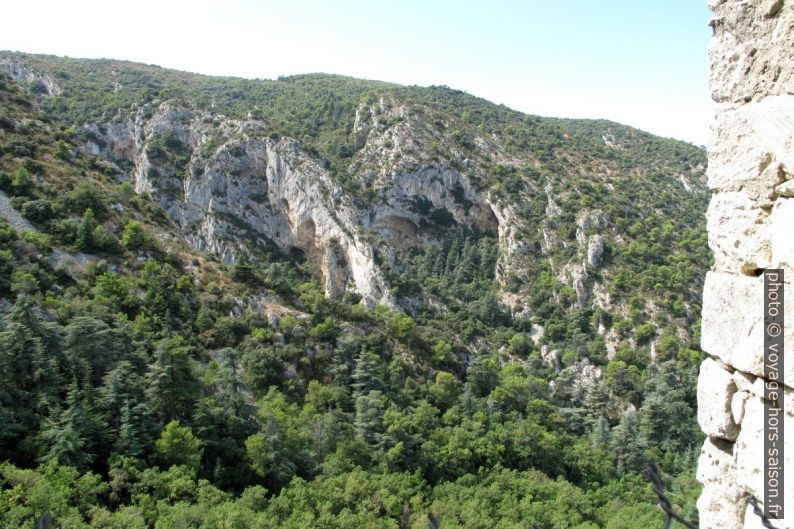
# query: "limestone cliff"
[[228, 184], [233, 186], [750, 218]]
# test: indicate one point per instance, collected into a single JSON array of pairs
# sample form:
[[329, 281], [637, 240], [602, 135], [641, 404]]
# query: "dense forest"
[[145, 384]]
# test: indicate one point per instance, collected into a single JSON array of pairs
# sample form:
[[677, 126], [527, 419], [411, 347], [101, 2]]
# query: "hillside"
[[247, 296]]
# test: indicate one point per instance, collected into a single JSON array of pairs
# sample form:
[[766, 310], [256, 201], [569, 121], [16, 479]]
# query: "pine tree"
[[68, 439], [85, 232], [124, 409], [242, 270], [438, 264], [129, 442], [628, 444], [451, 264], [365, 375], [172, 386], [600, 434], [467, 401], [368, 401], [482, 375], [666, 418], [368, 421], [596, 404], [32, 383], [230, 389], [91, 347], [466, 267]]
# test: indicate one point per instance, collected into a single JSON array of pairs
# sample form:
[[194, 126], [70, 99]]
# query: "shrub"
[[38, 211], [21, 182], [105, 241], [23, 282], [178, 446], [65, 230], [6, 269], [41, 241], [87, 196], [125, 192], [643, 333], [135, 237]]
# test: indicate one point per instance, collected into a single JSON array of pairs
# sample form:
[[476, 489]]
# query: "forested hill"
[[320, 301]]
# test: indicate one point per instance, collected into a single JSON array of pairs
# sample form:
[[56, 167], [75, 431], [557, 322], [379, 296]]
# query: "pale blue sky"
[[639, 62]]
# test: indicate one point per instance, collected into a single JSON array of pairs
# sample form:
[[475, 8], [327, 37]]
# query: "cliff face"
[[750, 222], [228, 184]]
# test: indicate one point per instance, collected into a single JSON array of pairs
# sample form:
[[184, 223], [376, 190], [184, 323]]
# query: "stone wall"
[[751, 228]]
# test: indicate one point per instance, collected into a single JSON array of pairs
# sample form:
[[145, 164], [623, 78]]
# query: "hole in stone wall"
[[752, 270]]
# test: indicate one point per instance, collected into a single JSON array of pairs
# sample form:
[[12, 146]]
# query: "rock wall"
[[751, 228], [229, 185], [236, 187]]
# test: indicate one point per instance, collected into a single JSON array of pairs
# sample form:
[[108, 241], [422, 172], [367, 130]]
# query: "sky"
[[638, 62]]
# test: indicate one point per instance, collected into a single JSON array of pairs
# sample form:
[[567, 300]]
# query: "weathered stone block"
[[732, 323], [750, 53], [786, 189], [716, 388], [744, 381], [721, 503], [732, 319], [749, 451], [739, 233], [782, 220], [752, 148]]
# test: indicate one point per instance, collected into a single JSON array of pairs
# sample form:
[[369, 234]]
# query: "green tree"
[[91, 347], [445, 389], [135, 237], [129, 441], [224, 419], [62, 150], [87, 196], [85, 232], [628, 444], [597, 403], [115, 290], [172, 385], [178, 446], [666, 419], [68, 439], [243, 270], [28, 359], [21, 182]]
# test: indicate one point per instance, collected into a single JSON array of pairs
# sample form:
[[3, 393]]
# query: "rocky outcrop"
[[230, 186], [750, 218], [41, 83]]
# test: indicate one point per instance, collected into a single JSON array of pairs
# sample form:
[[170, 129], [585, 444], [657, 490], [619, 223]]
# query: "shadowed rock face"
[[750, 222]]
